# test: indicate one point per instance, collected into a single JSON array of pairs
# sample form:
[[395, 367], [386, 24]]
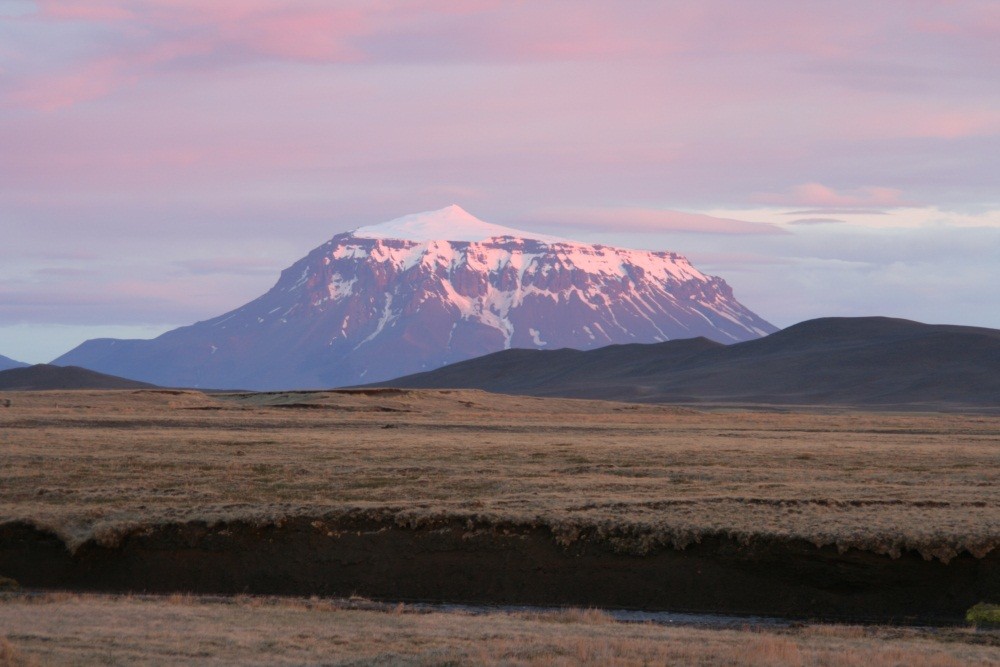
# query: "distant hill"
[[866, 361], [7, 362], [43, 376]]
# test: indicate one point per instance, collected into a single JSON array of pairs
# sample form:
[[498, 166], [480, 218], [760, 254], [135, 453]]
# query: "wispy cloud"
[[815, 221], [813, 212], [142, 39], [648, 220], [818, 195], [240, 266]]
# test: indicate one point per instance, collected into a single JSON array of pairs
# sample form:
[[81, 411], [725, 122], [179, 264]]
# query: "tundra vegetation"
[[90, 629], [95, 464], [91, 463]]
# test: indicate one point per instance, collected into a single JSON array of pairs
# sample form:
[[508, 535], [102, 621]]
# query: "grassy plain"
[[60, 628], [88, 463]]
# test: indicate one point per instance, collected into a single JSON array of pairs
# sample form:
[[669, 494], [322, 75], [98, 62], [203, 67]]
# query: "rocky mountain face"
[[427, 290]]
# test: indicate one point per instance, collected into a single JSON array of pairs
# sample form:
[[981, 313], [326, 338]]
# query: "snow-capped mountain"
[[426, 290]]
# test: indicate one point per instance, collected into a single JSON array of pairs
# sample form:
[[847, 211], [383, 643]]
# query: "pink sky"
[[161, 160]]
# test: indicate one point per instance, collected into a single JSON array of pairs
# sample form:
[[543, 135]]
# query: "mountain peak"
[[428, 289], [451, 223]]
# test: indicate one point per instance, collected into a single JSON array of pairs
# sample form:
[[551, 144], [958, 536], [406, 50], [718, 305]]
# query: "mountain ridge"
[[44, 377], [7, 363], [874, 361]]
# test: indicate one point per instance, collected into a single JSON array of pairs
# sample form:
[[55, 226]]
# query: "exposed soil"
[[455, 561]]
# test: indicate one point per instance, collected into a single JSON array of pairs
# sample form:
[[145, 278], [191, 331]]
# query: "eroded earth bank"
[[454, 561]]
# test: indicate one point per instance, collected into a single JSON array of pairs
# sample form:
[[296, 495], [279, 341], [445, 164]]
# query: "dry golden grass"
[[11, 656], [97, 630], [89, 463]]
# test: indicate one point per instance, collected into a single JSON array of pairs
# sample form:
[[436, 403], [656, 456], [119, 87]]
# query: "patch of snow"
[[536, 338], [452, 223], [462, 261], [339, 288], [226, 320], [302, 279], [383, 320]]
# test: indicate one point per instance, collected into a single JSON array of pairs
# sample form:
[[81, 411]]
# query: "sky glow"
[[162, 160]]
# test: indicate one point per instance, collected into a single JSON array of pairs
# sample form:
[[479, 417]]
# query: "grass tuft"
[[984, 615]]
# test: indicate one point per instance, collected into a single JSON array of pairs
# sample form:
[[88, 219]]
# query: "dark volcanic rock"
[[393, 299]]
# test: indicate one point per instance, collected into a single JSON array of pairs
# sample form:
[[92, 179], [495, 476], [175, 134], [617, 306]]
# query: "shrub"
[[984, 615]]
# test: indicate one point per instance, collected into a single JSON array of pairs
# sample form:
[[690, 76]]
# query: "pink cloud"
[[649, 220], [218, 33], [92, 10], [956, 124], [161, 32], [53, 91], [820, 196]]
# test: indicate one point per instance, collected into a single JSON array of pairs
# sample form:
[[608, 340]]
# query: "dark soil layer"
[[451, 562]]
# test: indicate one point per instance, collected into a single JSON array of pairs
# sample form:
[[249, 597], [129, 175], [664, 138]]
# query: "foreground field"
[[62, 628], [86, 462], [823, 507]]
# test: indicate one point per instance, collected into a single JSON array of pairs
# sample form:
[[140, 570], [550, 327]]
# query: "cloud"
[[239, 266], [614, 220], [820, 196], [64, 272], [730, 260], [815, 221], [16, 8], [142, 40], [930, 274], [61, 89], [836, 211], [902, 218], [821, 41]]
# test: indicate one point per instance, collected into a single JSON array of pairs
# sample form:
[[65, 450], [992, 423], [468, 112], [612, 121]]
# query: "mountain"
[[866, 361], [426, 290], [43, 377], [7, 362]]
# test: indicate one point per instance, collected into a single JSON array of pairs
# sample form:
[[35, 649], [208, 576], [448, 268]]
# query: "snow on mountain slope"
[[429, 289], [452, 223]]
